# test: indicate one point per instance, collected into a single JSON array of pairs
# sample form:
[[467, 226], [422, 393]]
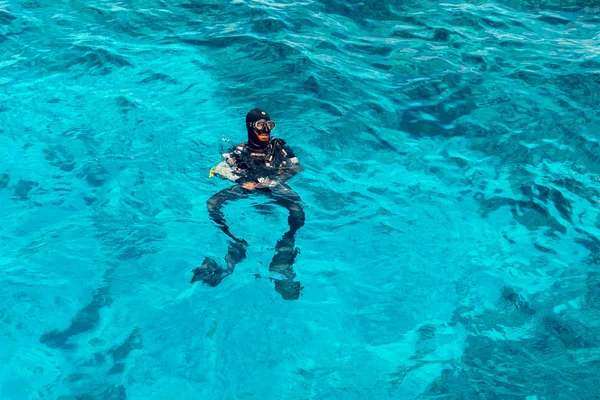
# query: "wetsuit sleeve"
[[231, 167], [290, 165], [224, 170]]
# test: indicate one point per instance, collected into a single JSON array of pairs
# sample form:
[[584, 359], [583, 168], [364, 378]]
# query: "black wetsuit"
[[275, 163]]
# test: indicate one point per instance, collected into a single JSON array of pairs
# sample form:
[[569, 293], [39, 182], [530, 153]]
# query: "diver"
[[262, 165]]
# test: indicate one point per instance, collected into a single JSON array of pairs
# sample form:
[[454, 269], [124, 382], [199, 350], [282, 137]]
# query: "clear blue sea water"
[[451, 185]]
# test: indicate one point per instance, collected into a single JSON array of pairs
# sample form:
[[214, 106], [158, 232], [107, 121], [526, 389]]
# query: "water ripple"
[[451, 184]]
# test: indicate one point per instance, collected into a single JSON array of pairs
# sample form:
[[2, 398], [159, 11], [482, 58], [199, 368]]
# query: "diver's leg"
[[210, 272], [215, 206], [285, 253], [236, 253]]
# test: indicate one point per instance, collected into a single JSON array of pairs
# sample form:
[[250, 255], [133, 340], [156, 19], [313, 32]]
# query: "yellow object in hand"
[[211, 173]]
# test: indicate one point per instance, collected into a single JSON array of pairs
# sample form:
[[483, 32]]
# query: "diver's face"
[[263, 136]]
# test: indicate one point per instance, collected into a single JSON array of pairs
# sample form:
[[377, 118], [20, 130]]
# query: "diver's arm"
[[287, 169], [232, 168], [283, 174], [290, 168], [225, 171]]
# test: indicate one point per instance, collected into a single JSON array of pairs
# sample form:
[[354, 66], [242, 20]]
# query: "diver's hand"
[[266, 183], [250, 185]]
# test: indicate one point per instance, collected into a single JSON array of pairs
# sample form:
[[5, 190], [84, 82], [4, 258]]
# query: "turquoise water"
[[451, 184]]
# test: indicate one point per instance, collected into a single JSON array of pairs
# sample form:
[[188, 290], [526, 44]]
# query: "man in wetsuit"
[[262, 165]]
